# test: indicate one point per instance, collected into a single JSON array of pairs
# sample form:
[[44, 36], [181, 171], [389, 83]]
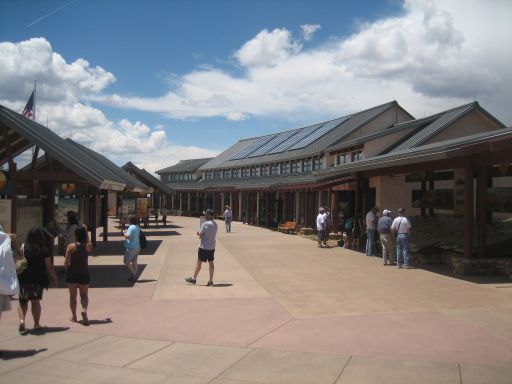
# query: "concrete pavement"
[[281, 311]]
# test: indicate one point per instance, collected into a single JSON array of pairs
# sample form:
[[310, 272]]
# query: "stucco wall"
[[393, 192]]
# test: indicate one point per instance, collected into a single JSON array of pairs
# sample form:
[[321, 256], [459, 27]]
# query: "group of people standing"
[[390, 231], [30, 282]]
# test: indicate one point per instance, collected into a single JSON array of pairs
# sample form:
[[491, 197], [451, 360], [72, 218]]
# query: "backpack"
[[349, 224], [142, 240]]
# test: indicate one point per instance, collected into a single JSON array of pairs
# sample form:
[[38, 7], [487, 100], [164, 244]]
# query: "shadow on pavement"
[[44, 330], [445, 271], [116, 248], [222, 285], [104, 276], [9, 354]]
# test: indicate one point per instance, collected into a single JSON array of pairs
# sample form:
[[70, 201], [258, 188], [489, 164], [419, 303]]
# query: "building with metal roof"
[[381, 156]]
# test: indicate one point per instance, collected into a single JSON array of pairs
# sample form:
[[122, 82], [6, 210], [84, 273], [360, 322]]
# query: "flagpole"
[[35, 83]]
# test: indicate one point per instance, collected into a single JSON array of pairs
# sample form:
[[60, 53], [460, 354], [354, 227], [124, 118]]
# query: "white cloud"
[[308, 30], [268, 48], [62, 87], [435, 56]]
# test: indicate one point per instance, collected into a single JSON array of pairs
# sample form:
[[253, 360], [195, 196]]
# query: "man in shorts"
[[207, 233], [132, 248]]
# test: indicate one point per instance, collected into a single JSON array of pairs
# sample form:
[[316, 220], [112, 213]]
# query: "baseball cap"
[[209, 212], [386, 212]]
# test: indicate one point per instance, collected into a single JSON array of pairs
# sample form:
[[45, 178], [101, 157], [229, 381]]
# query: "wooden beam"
[[468, 207]]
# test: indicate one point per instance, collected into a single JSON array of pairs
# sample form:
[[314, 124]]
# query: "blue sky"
[[158, 81]]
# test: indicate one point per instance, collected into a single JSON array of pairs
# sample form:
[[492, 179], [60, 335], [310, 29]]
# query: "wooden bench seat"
[[288, 227]]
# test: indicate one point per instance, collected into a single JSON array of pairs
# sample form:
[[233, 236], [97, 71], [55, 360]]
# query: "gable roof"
[[132, 183], [147, 178], [23, 133], [430, 126], [287, 145], [185, 166]]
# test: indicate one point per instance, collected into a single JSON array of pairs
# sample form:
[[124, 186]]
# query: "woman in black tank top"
[[77, 273]]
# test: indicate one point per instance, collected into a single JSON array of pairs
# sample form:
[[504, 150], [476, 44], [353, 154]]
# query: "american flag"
[[29, 108]]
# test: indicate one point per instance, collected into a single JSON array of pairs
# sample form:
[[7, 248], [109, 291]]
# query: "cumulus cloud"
[[62, 89], [430, 58], [308, 30], [268, 48]]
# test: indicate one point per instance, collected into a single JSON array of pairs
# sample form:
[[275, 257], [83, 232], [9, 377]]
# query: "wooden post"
[[481, 199], [104, 214], [468, 207]]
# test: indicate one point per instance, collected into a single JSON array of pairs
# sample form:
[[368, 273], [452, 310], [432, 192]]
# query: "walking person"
[[8, 280], [35, 277], [371, 230], [206, 252], [228, 217], [320, 226], [327, 224], [77, 273], [132, 248], [401, 227], [386, 239], [164, 216], [156, 217]]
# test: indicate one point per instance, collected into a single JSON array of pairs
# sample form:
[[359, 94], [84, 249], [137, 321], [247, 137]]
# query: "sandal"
[[21, 328]]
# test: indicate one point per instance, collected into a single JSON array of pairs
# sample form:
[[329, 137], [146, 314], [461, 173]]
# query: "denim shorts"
[[131, 254]]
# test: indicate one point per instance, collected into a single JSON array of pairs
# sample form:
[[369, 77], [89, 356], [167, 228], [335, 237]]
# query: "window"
[[208, 175], [357, 155], [342, 159], [235, 173], [245, 172], [317, 164], [254, 171], [264, 170], [295, 166], [274, 169], [285, 168], [226, 174], [306, 165]]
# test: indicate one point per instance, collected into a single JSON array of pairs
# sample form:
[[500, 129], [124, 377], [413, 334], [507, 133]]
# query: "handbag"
[[20, 263]]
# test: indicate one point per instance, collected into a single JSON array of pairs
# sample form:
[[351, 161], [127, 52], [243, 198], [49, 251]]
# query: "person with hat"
[[384, 229], [206, 252], [320, 226], [401, 227]]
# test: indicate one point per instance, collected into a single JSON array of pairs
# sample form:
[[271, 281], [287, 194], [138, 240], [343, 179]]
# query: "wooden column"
[[94, 202], [104, 214], [240, 205], [266, 209], [357, 196], [430, 179], [189, 200], [468, 207], [423, 178], [481, 204]]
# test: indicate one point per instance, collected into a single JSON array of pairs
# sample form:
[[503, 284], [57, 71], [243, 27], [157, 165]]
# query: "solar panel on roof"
[[278, 139], [319, 132], [251, 147], [302, 133]]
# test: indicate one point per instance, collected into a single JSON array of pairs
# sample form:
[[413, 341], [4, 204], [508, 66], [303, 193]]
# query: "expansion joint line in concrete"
[[149, 354], [232, 365], [249, 345], [343, 369]]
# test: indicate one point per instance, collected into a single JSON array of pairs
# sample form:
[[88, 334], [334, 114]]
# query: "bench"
[[288, 227]]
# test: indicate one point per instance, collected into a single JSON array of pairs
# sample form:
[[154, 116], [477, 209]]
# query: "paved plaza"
[[281, 311]]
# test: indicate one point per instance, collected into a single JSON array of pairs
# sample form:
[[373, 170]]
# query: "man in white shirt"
[[320, 226], [401, 227], [206, 252], [327, 226], [371, 230], [228, 217]]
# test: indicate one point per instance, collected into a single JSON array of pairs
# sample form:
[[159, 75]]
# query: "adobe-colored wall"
[[393, 192], [392, 116]]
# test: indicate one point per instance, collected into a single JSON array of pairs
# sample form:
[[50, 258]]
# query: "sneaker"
[[209, 284], [190, 280], [399, 266], [409, 267]]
